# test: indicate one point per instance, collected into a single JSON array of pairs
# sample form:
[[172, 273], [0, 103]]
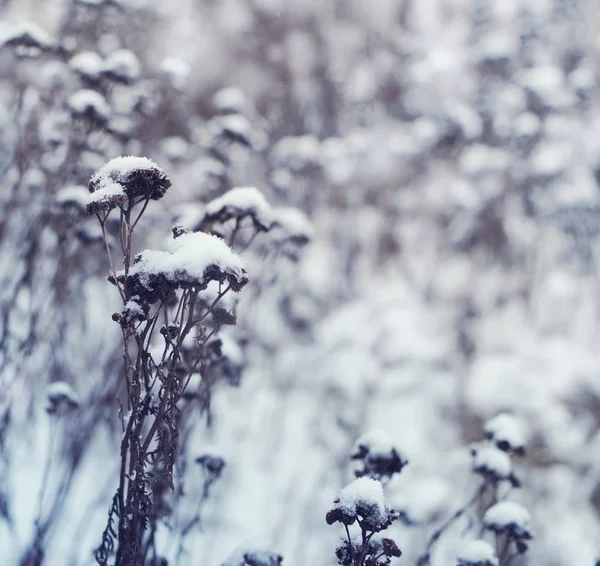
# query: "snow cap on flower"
[[27, 39], [493, 464], [510, 519], [379, 456], [140, 177], [239, 203], [477, 553], [87, 103], [193, 259], [62, 398], [362, 499], [507, 432]]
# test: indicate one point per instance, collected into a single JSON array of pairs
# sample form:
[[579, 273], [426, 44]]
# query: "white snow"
[[75, 194], [477, 553], [231, 99], [176, 70], [62, 391], [87, 63], [28, 31], [118, 169], [85, 99], [491, 460], [505, 514], [505, 428], [109, 192], [189, 255], [124, 64], [236, 124], [242, 201], [376, 441], [293, 222], [362, 490]]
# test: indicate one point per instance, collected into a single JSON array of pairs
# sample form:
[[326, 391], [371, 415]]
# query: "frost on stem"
[[477, 553], [380, 459], [140, 177]]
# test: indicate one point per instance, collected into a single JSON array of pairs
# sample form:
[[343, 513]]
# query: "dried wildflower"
[[105, 198], [27, 39], [510, 519], [62, 398], [380, 459], [477, 553], [140, 177], [362, 500], [507, 433], [123, 66], [89, 104], [212, 465], [493, 464], [237, 204]]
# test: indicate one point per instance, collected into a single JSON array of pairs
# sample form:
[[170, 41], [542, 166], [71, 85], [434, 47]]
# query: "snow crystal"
[[123, 64], [477, 553], [362, 490], [86, 100], [507, 432], [87, 63], [489, 460], [508, 516], [243, 201]]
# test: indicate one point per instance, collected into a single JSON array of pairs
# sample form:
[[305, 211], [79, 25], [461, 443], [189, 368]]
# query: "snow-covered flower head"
[[493, 464], [379, 456], [477, 553], [62, 398], [27, 39], [237, 204], [193, 259], [362, 500], [510, 519], [507, 433], [138, 176]]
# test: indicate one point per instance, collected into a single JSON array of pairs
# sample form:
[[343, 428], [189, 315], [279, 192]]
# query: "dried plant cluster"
[[174, 306]]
